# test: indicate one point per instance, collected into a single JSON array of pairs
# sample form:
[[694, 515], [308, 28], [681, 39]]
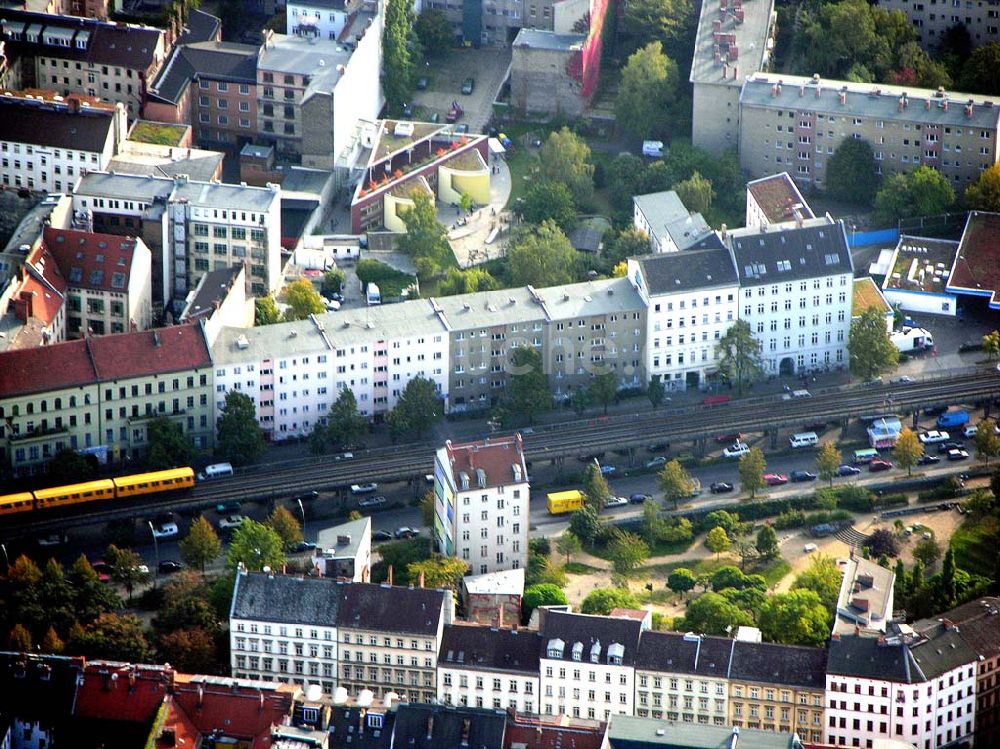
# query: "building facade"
[[932, 19], [481, 503], [775, 200]]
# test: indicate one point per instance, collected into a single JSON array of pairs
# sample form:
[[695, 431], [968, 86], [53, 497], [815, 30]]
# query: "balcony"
[[38, 434]]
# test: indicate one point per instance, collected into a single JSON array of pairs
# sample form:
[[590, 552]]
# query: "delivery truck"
[[568, 501], [909, 340]]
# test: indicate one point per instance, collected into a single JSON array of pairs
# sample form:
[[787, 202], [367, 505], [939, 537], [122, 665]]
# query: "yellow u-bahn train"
[[121, 487]]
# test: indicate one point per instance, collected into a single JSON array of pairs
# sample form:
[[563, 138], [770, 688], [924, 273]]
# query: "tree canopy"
[[751, 467], [870, 349], [564, 157], [435, 32], [740, 355], [549, 201], [543, 594], [850, 172], [717, 541], [711, 613], [981, 72], [675, 482], [397, 54], [418, 409], [647, 93], [169, 447], [256, 546], [797, 617], [302, 300], [603, 600], [201, 545], [907, 450], [266, 311], [823, 577], [240, 439], [696, 193], [527, 393], [922, 192], [542, 257], [438, 572], [426, 239], [282, 522]]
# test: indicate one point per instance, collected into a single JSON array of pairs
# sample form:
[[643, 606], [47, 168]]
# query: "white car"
[[616, 501], [165, 530], [903, 380], [332, 305], [737, 450], [933, 437], [970, 431], [364, 488], [231, 521]]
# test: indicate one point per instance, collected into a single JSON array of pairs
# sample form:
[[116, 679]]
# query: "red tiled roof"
[[777, 197], [495, 457], [92, 261], [103, 358], [553, 732], [45, 286], [186, 734], [637, 614], [977, 265], [121, 692]]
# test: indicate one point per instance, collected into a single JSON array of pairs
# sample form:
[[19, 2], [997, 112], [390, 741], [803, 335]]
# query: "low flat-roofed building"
[[345, 551], [866, 597], [494, 598], [919, 275], [775, 200], [976, 268], [627, 732], [669, 225], [136, 157], [868, 295]]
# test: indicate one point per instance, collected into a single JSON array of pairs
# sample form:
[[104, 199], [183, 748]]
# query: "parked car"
[[230, 522], [638, 499], [167, 530], [53, 539], [658, 447], [103, 570], [933, 437], [301, 546], [736, 450], [332, 305], [455, 113], [846, 470], [731, 438], [926, 460], [720, 487], [228, 508], [903, 380], [364, 488], [407, 110], [656, 462], [381, 536], [422, 83], [468, 85], [945, 447], [958, 454], [405, 532], [591, 458], [305, 497], [879, 465], [376, 501], [608, 470], [803, 476], [775, 479], [615, 501], [169, 567]]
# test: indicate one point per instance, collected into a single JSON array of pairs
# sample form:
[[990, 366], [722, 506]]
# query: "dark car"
[[467, 85], [462, 128], [658, 447], [947, 447], [638, 499], [405, 532], [958, 454], [422, 83], [720, 487], [816, 426], [228, 508], [927, 460], [302, 546], [169, 567], [729, 439], [591, 458], [803, 476], [407, 110], [935, 411], [381, 536], [305, 497], [846, 470], [879, 465]]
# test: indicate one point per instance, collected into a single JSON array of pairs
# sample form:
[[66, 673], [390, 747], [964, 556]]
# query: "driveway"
[[488, 66]]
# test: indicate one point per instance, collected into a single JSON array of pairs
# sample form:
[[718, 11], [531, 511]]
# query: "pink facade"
[[223, 112]]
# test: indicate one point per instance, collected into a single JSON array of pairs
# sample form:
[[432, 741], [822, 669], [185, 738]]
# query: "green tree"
[[345, 425], [740, 358], [713, 614], [266, 311], [627, 552], [201, 545], [56, 598], [426, 239], [126, 568], [751, 469], [91, 598], [466, 281], [438, 572], [828, 461], [671, 22], [627, 243], [302, 300], [169, 447], [980, 503], [603, 389], [986, 440], [568, 544], [681, 580], [850, 172], [565, 157], [696, 193], [728, 521], [240, 438], [116, 637], [585, 524], [435, 32], [397, 60], [675, 482], [333, 282], [717, 541], [19, 639], [767, 543], [907, 451], [981, 72], [427, 503], [984, 193], [948, 572], [595, 486], [655, 392], [549, 201], [653, 525], [647, 93], [798, 617], [52, 643], [527, 392], [256, 546], [282, 522], [189, 649], [542, 257], [871, 351], [823, 577], [922, 192], [543, 594], [928, 551], [580, 400], [603, 600], [991, 343], [417, 410], [67, 466]]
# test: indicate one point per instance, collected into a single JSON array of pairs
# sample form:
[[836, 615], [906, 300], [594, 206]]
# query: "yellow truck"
[[570, 501]]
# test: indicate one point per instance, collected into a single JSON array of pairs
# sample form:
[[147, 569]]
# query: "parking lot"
[[487, 66]]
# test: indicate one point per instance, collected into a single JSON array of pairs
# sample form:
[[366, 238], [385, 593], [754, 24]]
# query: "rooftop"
[[416, 611], [673, 652], [976, 269], [285, 599], [668, 217], [583, 637], [921, 264], [877, 100], [485, 464], [779, 198], [769, 663], [541, 39], [628, 732], [488, 648], [978, 621], [422, 726], [671, 272], [199, 27], [205, 60], [212, 291], [501, 582], [942, 649], [483, 309], [870, 657], [344, 540], [791, 254], [158, 133], [865, 598], [727, 49], [553, 732], [44, 282], [100, 262], [866, 295], [55, 124], [321, 60], [135, 186], [589, 298]]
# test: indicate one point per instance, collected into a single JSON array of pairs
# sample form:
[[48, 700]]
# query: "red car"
[[775, 479], [729, 439], [879, 465]]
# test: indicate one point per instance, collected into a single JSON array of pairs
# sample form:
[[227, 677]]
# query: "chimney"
[[156, 338], [736, 72], [201, 696], [389, 578], [420, 579], [819, 90], [72, 105], [724, 230]]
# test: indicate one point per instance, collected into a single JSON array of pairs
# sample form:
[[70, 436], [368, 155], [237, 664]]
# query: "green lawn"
[[975, 545], [579, 568], [522, 163]]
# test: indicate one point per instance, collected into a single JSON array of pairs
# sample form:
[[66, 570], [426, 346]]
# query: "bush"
[[892, 500], [790, 519], [947, 489], [390, 281]]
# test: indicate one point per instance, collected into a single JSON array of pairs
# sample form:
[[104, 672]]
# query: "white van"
[[652, 148], [803, 439], [216, 470]]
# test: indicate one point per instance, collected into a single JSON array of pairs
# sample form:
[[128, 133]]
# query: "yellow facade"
[[468, 175], [777, 708]]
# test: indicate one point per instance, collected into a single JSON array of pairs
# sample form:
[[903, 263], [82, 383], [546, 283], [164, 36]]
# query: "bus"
[[865, 456], [569, 501]]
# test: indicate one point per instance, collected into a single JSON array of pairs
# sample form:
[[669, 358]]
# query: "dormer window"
[[595, 652], [616, 654], [577, 651], [555, 648]]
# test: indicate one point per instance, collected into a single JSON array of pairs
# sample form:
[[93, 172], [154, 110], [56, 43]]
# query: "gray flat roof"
[[666, 214], [877, 100], [227, 196], [354, 530], [753, 50], [604, 297], [540, 39], [484, 309], [136, 186], [317, 58]]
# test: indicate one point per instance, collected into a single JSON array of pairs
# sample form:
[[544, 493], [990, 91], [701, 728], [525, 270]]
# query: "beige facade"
[[932, 18], [384, 661], [795, 124], [691, 699], [774, 707]]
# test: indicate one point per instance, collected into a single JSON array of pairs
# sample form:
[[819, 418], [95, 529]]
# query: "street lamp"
[[6, 558], [156, 549], [303, 511]]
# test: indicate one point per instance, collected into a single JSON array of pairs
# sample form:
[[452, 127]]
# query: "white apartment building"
[[774, 200], [920, 689], [489, 667], [318, 19], [48, 145], [284, 628], [796, 287], [294, 371], [690, 298], [587, 665], [669, 225], [481, 511], [683, 677]]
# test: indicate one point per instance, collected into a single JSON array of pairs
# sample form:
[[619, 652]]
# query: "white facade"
[[320, 20], [591, 688], [686, 697], [292, 653], [486, 688]]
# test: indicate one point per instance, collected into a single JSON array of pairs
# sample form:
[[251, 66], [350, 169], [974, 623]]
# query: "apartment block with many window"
[[481, 511], [794, 124], [489, 667], [931, 19], [796, 288]]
